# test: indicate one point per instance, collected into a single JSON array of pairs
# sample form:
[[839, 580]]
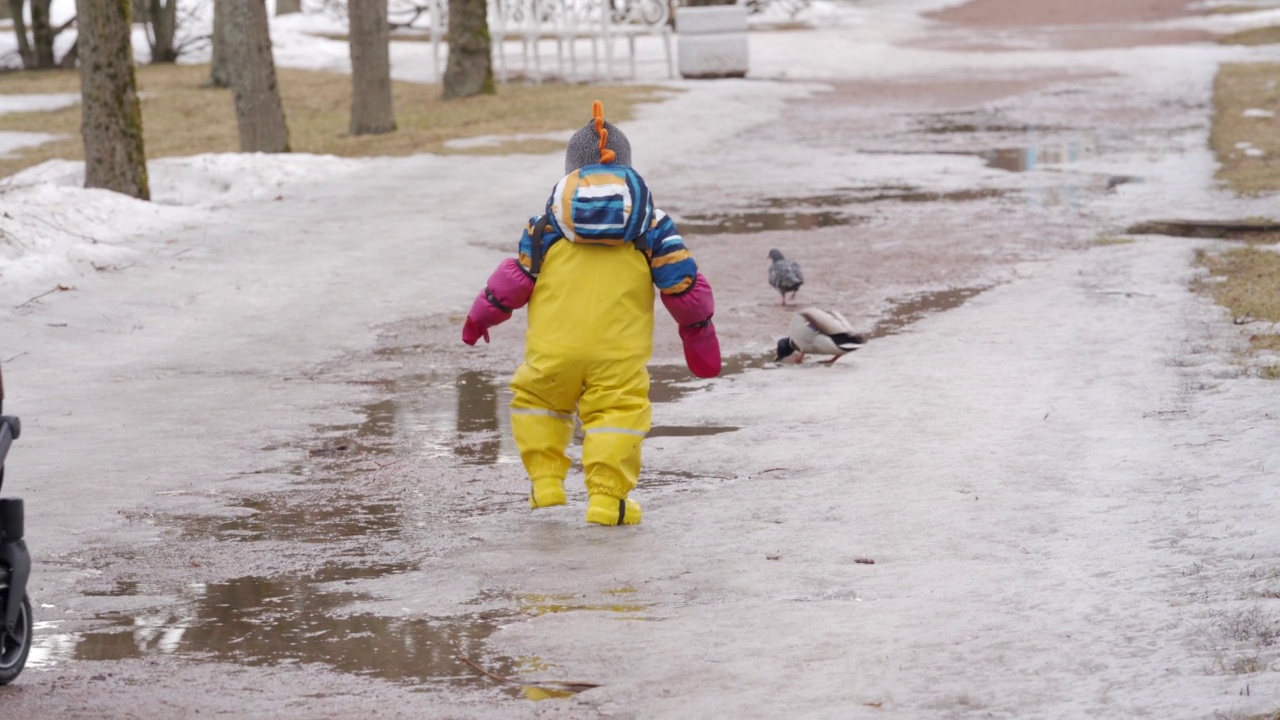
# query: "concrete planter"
[[712, 41]]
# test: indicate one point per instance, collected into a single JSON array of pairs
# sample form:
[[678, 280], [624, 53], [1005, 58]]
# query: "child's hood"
[[601, 205]]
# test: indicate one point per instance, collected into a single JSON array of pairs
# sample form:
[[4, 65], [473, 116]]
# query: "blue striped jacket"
[[611, 205]]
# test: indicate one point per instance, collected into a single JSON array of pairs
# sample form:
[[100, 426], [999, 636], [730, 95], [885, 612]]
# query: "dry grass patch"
[[1253, 36], [1246, 281], [180, 116], [1265, 341], [1235, 9], [1247, 148]]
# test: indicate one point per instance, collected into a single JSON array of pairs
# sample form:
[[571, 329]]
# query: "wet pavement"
[[457, 418], [440, 417]]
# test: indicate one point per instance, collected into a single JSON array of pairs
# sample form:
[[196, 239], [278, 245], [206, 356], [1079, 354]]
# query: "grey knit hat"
[[584, 146]]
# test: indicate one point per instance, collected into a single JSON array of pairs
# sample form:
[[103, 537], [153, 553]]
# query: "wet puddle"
[[456, 415], [817, 211], [967, 123], [1029, 157], [689, 430], [297, 620], [915, 195], [912, 309], [676, 478], [1256, 230], [764, 221], [1043, 146], [466, 418], [305, 516], [669, 383]]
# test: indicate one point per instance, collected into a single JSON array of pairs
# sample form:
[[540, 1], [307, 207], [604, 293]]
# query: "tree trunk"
[[470, 68], [20, 31], [42, 34], [163, 19], [285, 7], [72, 57], [6, 10], [111, 122], [371, 111], [259, 112], [219, 69]]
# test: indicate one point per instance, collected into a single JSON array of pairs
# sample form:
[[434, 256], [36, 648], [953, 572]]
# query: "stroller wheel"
[[15, 646]]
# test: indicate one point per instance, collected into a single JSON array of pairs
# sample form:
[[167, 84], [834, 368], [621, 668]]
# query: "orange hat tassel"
[[597, 113]]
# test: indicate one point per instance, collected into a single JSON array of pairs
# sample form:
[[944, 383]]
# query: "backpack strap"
[[535, 245]]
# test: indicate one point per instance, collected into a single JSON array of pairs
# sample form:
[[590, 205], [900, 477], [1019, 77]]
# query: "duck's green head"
[[785, 348]]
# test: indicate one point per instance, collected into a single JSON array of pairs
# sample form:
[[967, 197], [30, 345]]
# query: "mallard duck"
[[819, 332], [784, 275]]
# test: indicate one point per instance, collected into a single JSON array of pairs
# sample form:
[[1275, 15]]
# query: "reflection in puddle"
[[459, 415], [907, 311], [535, 693], [268, 621], [297, 620], [275, 621], [467, 418], [546, 604], [478, 418], [1029, 157]]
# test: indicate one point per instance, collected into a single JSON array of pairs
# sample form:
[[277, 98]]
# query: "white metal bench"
[[531, 22], [565, 22]]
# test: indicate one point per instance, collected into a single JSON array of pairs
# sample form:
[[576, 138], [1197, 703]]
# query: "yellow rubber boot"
[[546, 492], [606, 510]]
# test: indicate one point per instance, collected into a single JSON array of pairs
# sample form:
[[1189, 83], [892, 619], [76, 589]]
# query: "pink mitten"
[[472, 331], [701, 349], [484, 315], [510, 284], [692, 310], [509, 288]]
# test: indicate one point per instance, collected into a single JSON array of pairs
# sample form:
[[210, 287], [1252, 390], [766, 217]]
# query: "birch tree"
[[371, 110], [111, 123], [259, 112]]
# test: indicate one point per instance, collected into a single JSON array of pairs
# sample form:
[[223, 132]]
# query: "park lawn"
[[182, 116]]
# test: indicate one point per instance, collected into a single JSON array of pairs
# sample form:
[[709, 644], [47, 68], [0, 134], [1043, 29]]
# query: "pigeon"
[[784, 275], [819, 332]]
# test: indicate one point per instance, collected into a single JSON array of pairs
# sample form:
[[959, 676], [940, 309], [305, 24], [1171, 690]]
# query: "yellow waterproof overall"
[[589, 339]]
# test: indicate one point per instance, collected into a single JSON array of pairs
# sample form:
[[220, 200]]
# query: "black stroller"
[[15, 567]]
